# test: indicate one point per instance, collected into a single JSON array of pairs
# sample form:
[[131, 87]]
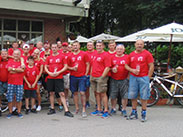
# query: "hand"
[[135, 71], [23, 66], [114, 70], [75, 68], [33, 85], [29, 85]]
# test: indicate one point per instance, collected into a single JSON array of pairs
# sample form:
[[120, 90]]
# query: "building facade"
[[38, 20]]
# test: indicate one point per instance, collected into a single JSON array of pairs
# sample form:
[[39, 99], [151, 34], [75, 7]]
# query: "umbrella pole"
[[169, 52]]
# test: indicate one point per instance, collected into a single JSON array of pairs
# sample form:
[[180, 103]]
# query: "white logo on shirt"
[[132, 58], [99, 59], [57, 60], [122, 62], [33, 73], [51, 60], [79, 58], [114, 61], [73, 59], [140, 58]]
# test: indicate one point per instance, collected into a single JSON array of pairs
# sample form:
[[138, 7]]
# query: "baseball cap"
[[65, 44], [26, 46]]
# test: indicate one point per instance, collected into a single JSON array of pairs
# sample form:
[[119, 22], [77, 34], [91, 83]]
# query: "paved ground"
[[163, 121]]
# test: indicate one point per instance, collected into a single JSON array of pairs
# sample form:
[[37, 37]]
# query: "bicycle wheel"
[[154, 97], [180, 99]]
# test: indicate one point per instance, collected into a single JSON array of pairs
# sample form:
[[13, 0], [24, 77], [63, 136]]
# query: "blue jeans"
[[139, 85], [78, 84]]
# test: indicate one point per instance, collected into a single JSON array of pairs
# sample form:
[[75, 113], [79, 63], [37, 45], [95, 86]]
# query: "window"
[[9, 24], [16, 30], [23, 25]]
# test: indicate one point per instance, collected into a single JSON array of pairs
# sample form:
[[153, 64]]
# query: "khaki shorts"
[[98, 84], [66, 81]]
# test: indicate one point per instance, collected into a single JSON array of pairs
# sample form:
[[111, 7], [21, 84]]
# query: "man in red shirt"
[[141, 66], [4, 73], [14, 47], [91, 52], [99, 76], [32, 48], [78, 63], [47, 51], [15, 83], [59, 43], [66, 74], [119, 82], [55, 66], [25, 55]]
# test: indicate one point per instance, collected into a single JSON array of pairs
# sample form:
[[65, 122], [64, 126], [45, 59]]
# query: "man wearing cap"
[[25, 55], [141, 66], [66, 74], [78, 63]]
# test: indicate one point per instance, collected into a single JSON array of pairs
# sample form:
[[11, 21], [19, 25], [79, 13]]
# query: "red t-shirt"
[[111, 55], [10, 51], [99, 63], [60, 51], [141, 60], [91, 55], [31, 74], [32, 50], [4, 71], [66, 55], [38, 63], [55, 64], [80, 60], [119, 63], [25, 59], [17, 78]]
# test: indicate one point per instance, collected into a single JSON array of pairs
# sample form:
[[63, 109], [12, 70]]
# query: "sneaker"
[[38, 108], [27, 111], [9, 116], [84, 115], [113, 111], [105, 115], [68, 114], [133, 115], [15, 112], [143, 115], [123, 113], [87, 104], [51, 111], [97, 113], [60, 108], [20, 115], [33, 111]]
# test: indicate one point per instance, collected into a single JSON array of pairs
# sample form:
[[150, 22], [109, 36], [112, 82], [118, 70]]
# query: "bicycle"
[[175, 91]]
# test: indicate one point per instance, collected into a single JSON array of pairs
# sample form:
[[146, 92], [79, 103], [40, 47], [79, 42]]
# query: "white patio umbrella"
[[170, 30], [104, 37], [81, 39], [135, 36]]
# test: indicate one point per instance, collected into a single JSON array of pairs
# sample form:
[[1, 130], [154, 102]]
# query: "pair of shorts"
[[119, 87], [98, 84], [78, 84], [88, 81], [30, 93], [66, 81], [15, 90], [139, 85], [3, 87], [55, 85]]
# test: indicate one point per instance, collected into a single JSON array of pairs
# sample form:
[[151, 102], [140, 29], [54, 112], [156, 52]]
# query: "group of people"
[[62, 67]]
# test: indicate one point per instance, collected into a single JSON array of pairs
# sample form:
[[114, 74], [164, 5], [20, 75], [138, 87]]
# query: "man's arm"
[[106, 71], [62, 70], [151, 69], [134, 71], [87, 68]]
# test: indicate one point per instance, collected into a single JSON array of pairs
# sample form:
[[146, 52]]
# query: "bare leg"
[[98, 99], [76, 100], [105, 101], [19, 106], [83, 100], [87, 94], [134, 104], [144, 104], [32, 103], [38, 95], [113, 103], [52, 99], [62, 96], [27, 103], [10, 105], [124, 103]]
